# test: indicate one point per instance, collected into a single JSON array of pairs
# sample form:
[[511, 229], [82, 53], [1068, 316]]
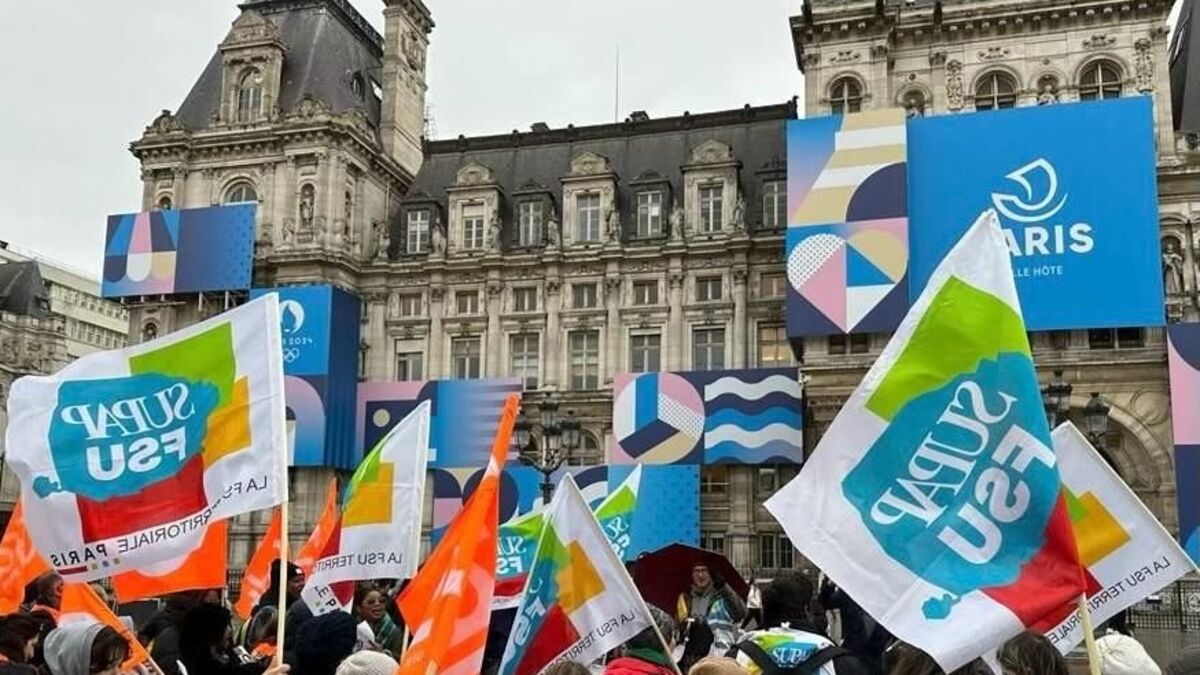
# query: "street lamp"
[[1056, 396], [559, 439], [1095, 420]]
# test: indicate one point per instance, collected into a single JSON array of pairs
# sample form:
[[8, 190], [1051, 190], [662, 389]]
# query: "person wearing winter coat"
[[645, 653], [1123, 655], [85, 649]]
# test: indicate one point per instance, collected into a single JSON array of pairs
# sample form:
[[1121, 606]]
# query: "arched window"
[[149, 331], [994, 91], [588, 453], [164, 203], [241, 193], [249, 100], [845, 96], [357, 87], [914, 103], [1100, 80]]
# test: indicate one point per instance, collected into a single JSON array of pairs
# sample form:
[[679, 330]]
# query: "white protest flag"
[[579, 602], [125, 456], [934, 498], [378, 535], [1127, 553]]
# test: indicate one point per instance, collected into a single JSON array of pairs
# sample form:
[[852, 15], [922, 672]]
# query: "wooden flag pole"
[[1089, 637], [283, 579]]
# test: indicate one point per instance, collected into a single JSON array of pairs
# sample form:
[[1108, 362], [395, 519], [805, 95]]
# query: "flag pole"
[[281, 447], [1089, 636]]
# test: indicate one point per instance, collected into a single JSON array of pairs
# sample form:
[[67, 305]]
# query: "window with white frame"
[[1100, 80], [410, 366], [525, 299], [465, 355], [773, 285], [645, 293], [466, 302], [645, 353], [773, 350], [418, 231], [241, 193], [708, 348], [523, 358], [410, 305], [774, 205], [472, 227], [845, 96], [712, 204], [585, 360], [774, 551], [584, 296], [713, 541], [714, 480], [708, 289], [529, 223], [649, 213], [587, 216], [249, 96]]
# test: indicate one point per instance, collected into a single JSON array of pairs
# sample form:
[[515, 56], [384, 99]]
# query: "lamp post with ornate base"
[[559, 439]]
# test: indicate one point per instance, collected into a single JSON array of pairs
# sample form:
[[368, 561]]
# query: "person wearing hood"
[[85, 649], [295, 583], [206, 644], [644, 654], [1123, 655]]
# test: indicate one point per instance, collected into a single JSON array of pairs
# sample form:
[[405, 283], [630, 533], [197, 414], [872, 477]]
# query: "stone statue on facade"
[[382, 242], [394, 305], [289, 233], [437, 239], [739, 214], [675, 221], [612, 222], [553, 234], [306, 211], [494, 233], [1172, 261], [1047, 96]]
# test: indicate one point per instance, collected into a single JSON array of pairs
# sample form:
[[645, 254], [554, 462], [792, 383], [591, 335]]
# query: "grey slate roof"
[[1185, 70], [662, 146], [327, 43], [22, 290]]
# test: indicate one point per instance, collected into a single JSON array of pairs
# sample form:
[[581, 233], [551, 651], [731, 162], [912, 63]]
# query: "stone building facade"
[[565, 256], [961, 56]]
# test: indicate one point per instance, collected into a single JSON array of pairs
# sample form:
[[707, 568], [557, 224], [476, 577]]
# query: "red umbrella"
[[663, 574]]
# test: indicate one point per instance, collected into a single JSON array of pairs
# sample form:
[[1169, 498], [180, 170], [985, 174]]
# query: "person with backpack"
[[791, 644]]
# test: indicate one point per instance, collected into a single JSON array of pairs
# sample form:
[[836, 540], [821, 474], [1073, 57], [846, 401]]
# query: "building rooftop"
[[327, 44], [640, 147], [22, 290]]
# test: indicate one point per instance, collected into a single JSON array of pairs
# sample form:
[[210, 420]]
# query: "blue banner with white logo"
[[1076, 191]]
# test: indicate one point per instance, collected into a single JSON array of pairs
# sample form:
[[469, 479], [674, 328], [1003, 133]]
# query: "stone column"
[[674, 336], [493, 366], [148, 189], [551, 344], [435, 368], [612, 299], [740, 328]]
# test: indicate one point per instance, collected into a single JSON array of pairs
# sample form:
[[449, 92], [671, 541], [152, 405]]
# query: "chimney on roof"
[[639, 116], [539, 127]]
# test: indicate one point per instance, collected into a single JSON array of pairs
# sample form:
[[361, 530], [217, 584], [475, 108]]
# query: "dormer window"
[[712, 200], [529, 225], [249, 101], [649, 213]]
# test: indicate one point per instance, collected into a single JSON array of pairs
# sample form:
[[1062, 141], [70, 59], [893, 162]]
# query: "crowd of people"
[[782, 628]]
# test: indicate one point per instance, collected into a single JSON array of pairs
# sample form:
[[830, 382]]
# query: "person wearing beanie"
[[271, 597], [323, 643], [1186, 662], [1123, 655], [718, 665], [368, 663]]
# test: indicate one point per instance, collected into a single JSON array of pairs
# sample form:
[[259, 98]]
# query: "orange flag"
[[312, 549], [257, 577], [449, 601], [19, 562], [81, 604], [206, 567]]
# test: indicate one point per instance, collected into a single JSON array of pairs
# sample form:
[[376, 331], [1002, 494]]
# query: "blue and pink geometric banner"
[[1183, 356], [186, 251], [708, 417]]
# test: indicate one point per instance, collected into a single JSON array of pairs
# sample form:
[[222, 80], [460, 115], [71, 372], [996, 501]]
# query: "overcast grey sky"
[[85, 78]]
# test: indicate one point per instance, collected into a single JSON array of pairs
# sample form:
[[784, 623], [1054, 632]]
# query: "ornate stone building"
[[564, 256], [960, 56]]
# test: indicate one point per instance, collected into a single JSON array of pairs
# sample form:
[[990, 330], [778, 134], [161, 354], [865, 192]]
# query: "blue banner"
[[1075, 188]]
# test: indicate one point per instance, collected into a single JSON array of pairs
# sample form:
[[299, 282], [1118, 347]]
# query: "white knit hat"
[[1122, 655], [368, 663]]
